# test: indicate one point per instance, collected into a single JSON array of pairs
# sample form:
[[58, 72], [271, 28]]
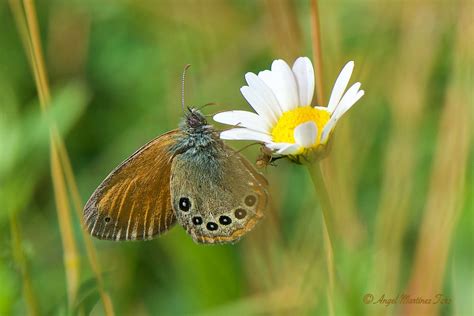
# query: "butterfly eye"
[[184, 204], [225, 220], [107, 219], [250, 200], [240, 213], [211, 226]]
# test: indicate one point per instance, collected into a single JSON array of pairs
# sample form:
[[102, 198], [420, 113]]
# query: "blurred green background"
[[399, 175]]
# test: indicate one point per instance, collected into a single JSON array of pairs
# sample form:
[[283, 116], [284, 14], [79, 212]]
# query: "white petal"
[[284, 148], [350, 103], [327, 130], [259, 104], [269, 79], [304, 74], [341, 110], [290, 149], [340, 85], [306, 134], [349, 98], [278, 146], [243, 119], [272, 106], [245, 134], [282, 82]]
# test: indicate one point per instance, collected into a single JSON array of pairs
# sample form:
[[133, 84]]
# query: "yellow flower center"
[[283, 131]]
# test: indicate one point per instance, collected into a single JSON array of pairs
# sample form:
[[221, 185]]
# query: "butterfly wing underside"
[[217, 203], [133, 202]]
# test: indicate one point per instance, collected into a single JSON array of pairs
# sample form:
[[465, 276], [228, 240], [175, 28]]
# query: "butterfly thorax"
[[199, 142]]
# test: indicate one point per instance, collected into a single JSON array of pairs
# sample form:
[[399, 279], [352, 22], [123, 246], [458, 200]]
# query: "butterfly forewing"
[[217, 203], [133, 202]]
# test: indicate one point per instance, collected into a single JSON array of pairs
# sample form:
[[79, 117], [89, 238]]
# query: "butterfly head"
[[194, 119]]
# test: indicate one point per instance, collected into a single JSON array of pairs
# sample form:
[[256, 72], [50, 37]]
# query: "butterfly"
[[186, 175]]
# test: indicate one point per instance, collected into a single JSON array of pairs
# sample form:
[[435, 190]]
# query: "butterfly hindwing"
[[217, 201], [133, 202]]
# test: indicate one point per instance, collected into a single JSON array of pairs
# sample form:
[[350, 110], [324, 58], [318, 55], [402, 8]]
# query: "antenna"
[[207, 104], [182, 85]]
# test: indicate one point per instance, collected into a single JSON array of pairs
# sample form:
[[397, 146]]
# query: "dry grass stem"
[[90, 249], [408, 101], [315, 169], [71, 257], [317, 52], [22, 263], [28, 28], [284, 29], [447, 185]]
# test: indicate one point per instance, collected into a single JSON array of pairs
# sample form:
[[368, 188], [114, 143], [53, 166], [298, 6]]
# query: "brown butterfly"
[[187, 174]]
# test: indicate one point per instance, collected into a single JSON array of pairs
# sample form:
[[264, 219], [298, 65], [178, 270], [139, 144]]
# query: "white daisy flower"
[[284, 120]]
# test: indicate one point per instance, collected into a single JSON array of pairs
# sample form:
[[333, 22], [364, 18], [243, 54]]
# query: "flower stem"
[[323, 196], [316, 174]]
